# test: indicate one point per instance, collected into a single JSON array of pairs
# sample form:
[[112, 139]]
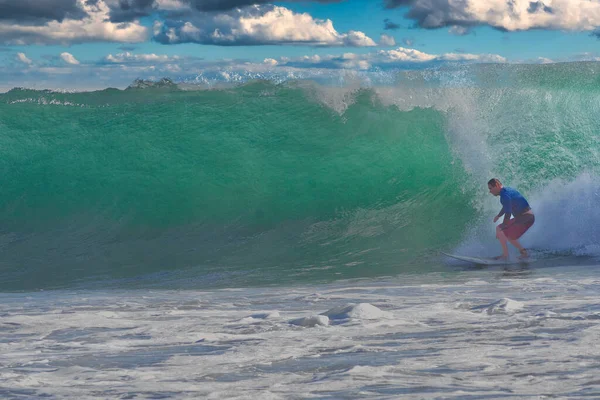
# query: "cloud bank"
[[385, 59], [508, 15], [216, 22], [258, 22], [256, 25], [74, 21], [69, 59]]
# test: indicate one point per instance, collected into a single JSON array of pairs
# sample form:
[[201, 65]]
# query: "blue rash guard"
[[512, 201]]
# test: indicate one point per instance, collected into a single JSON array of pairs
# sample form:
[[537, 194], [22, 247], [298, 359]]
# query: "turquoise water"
[[267, 183]]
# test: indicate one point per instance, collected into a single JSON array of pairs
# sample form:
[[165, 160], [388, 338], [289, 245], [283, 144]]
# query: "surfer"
[[511, 229]]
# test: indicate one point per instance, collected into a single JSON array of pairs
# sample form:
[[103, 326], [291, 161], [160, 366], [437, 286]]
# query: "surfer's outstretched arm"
[[499, 215]]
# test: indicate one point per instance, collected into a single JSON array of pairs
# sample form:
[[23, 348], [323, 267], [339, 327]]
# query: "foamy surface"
[[480, 334]]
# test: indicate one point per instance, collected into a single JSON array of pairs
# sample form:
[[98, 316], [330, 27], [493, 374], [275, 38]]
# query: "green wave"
[[269, 184]]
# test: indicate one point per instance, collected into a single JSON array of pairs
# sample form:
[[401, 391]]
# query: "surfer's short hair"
[[494, 182]]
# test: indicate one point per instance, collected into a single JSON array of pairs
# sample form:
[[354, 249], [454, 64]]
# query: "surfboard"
[[484, 261]]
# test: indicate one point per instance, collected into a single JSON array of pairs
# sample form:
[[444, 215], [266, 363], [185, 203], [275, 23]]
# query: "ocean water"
[[283, 239]]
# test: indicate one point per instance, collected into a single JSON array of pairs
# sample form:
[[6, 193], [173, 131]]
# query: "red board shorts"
[[516, 227]]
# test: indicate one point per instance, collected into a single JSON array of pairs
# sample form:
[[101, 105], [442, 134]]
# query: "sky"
[[92, 44]]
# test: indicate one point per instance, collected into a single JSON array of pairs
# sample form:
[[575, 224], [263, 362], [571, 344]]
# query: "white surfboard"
[[484, 261]]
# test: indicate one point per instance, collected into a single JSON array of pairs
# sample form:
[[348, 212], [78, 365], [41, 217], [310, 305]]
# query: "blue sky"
[[85, 44]]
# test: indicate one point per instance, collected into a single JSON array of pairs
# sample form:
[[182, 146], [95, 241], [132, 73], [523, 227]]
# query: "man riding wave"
[[511, 229]]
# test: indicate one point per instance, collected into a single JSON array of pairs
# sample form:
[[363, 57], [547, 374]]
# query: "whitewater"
[[283, 238]]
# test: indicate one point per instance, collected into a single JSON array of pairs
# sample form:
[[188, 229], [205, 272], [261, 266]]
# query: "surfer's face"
[[495, 190]]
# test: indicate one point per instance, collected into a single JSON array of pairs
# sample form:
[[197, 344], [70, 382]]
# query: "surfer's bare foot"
[[501, 258], [524, 254]]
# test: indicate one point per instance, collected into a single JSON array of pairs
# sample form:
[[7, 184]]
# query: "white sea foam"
[[356, 311], [501, 306], [487, 333], [314, 320]]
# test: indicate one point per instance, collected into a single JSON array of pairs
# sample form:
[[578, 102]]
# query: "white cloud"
[[95, 27], [485, 58], [257, 25], [23, 58], [353, 61], [69, 59], [173, 68], [513, 15], [544, 60], [386, 59], [311, 59], [356, 39], [459, 30], [402, 54], [405, 55], [387, 40], [586, 57], [172, 5], [54, 70], [130, 58], [270, 61]]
